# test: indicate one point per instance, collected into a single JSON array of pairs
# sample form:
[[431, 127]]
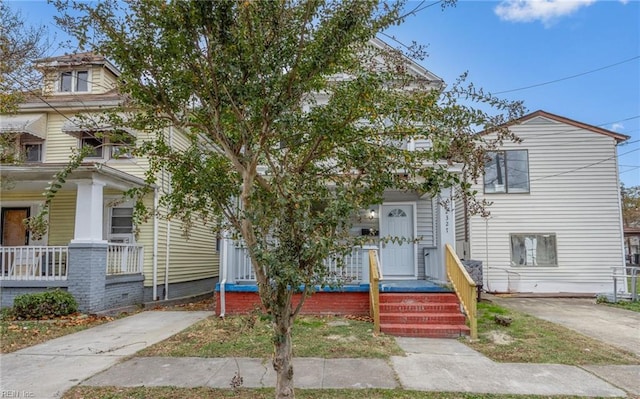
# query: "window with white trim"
[[116, 148], [506, 172], [95, 142], [73, 82], [121, 221], [532, 249], [32, 152]]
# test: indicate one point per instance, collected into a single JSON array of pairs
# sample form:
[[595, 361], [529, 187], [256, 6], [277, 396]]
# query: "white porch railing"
[[349, 269], [33, 263], [124, 259]]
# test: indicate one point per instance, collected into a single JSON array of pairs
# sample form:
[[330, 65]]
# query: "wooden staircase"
[[432, 315]]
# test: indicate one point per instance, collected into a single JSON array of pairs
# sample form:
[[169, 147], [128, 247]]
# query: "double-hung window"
[[506, 172], [74, 81]]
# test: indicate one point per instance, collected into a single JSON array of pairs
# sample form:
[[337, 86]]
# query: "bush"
[[44, 305]]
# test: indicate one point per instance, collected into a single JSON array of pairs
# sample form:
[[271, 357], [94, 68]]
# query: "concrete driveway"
[[617, 327]]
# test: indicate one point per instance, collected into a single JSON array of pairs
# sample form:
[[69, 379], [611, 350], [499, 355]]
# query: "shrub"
[[44, 305]]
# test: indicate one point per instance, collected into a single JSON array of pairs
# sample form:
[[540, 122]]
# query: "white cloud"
[[617, 126], [543, 10], [624, 1]]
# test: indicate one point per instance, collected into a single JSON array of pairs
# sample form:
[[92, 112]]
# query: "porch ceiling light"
[[372, 214]]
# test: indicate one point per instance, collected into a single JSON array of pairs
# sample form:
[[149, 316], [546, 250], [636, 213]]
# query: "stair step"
[[411, 298], [399, 307], [425, 330], [422, 318]]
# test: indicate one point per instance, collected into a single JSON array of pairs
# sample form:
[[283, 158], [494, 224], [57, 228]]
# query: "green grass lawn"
[[267, 393], [250, 336], [532, 340]]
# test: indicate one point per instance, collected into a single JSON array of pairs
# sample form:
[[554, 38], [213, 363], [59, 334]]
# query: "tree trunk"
[[282, 362]]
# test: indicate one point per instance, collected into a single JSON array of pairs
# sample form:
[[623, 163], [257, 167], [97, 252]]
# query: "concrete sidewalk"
[[49, 369], [439, 365]]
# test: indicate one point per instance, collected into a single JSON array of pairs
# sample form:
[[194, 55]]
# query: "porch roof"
[[42, 173], [32, 124]]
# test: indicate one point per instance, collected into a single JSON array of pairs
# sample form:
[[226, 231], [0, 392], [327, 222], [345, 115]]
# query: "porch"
[[111, 270], [405, 307]]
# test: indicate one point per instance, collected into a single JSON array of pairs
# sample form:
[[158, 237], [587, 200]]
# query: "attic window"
[[74, 81]]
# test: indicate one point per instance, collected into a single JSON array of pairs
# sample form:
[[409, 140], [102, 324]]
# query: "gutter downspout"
[[624, 261], [486, 248], [155, 243], [168, 243], [223, 283]]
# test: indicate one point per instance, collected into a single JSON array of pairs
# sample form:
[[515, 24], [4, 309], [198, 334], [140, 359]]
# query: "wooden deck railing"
[[346, 270], [33, 263], [124, 259], [374, 289], [464, 286]]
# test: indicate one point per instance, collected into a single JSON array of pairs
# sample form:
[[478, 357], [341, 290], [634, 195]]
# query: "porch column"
[[87, 275], [89, 212], [87, 263], [447, 226]]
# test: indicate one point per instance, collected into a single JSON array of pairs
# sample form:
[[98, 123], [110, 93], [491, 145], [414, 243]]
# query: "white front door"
[[397, 258]]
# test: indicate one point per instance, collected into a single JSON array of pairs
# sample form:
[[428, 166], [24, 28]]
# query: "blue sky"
[[513, 44], [507, 45]]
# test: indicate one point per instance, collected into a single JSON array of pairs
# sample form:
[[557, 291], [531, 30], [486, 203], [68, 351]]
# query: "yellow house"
[[90, 247]]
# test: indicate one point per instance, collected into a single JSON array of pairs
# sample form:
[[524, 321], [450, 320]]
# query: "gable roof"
[[413, 67], [595, 129]]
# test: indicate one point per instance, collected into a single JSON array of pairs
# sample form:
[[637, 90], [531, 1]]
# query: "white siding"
[[574, 195], [425, 230]]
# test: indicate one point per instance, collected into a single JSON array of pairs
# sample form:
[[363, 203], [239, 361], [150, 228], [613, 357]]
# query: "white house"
[[555, 221]]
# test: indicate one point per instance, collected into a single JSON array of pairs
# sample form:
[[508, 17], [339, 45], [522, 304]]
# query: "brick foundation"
[[339, 303]]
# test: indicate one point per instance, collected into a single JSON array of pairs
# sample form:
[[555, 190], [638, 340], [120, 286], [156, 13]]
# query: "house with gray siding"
[[554, 224]]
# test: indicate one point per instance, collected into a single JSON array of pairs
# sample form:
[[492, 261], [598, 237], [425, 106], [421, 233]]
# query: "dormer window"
[[74, 82]]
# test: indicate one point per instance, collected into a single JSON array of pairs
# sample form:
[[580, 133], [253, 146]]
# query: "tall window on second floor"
[[74, 81], [506, 172]]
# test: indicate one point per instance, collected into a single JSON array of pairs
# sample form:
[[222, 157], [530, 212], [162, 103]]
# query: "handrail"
[[374, 289], [464, 286]]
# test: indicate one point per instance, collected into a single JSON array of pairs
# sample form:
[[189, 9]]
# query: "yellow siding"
[[61, 215], [62, 218], [179, 140], [194, 257], [58, 144], [102, 80], [189, 259]]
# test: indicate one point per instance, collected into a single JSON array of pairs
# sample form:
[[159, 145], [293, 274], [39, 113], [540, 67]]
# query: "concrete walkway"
[[97, 357], [49, 369]]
